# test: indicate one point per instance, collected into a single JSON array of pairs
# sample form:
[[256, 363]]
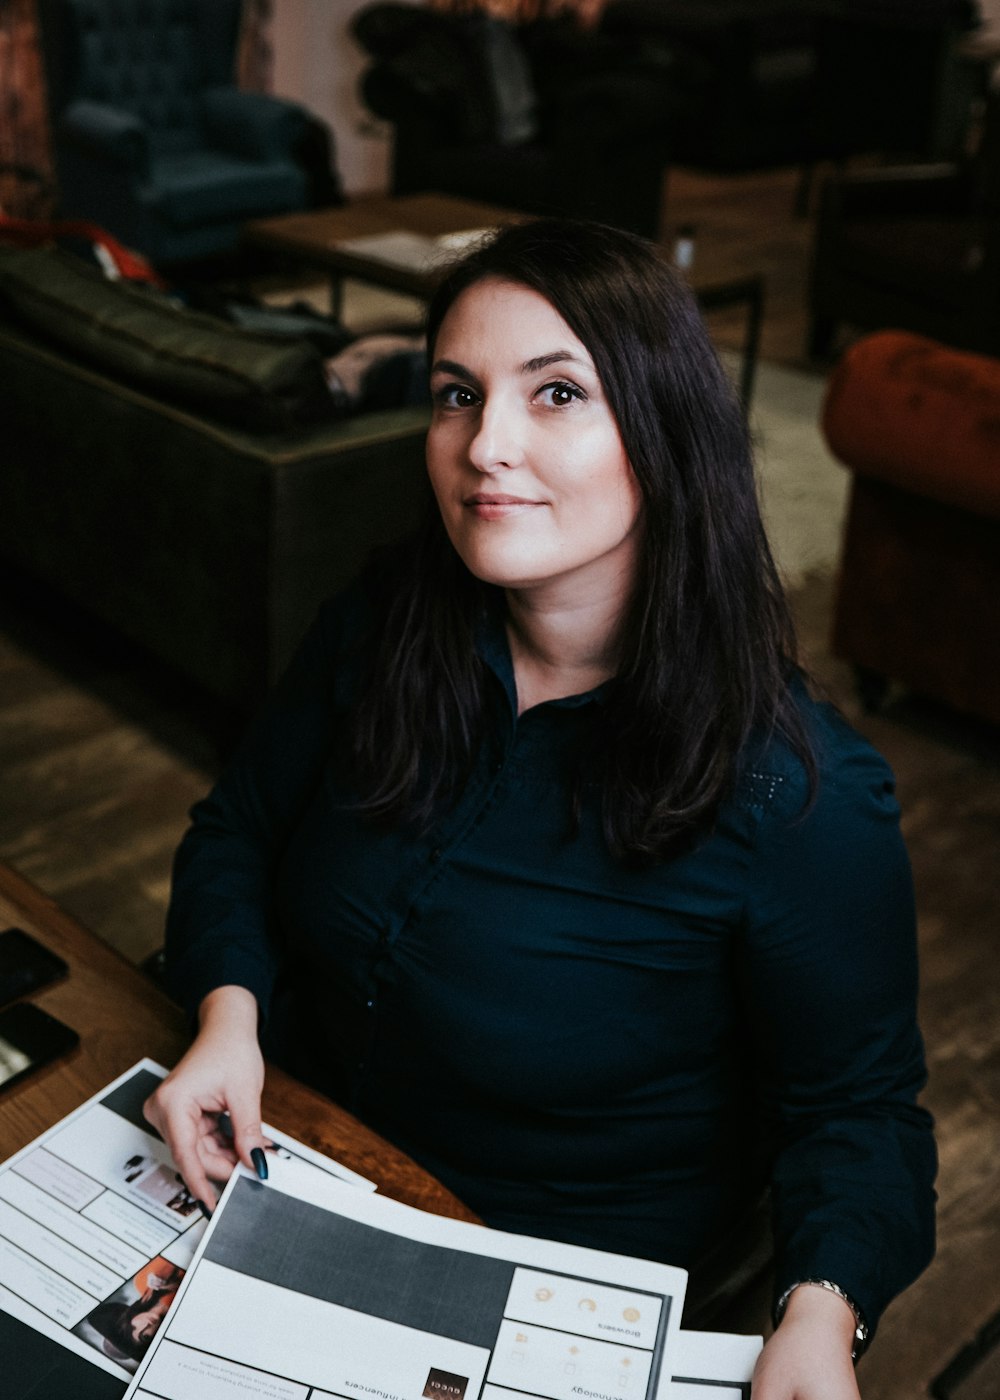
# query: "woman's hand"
[[223, 1071], [809, 1356]]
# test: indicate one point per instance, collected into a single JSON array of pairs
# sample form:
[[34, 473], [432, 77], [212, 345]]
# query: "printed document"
[[305, 1290], [97, 1228], [307, 1287]]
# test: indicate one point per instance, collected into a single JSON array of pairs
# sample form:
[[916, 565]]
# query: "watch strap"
[[860, 1325]]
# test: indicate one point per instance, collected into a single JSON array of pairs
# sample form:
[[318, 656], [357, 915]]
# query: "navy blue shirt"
[[613, 1056]]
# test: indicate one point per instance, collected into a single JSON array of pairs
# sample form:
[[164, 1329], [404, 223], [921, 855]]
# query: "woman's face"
[[524, 454], [144, 1324]]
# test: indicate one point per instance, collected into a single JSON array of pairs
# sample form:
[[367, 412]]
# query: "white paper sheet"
[[306, 1277], [94, 1218], [302, 1287], [713, 1366], [415, 252]]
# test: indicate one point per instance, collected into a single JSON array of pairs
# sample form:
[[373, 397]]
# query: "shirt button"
[[370, 1003], [436, 854]]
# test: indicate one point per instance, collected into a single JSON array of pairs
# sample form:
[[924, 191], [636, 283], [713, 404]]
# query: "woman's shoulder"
[[847, 773]]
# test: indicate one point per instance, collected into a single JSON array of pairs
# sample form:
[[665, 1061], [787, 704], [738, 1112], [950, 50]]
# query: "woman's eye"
[[559, 395], [455, 396]]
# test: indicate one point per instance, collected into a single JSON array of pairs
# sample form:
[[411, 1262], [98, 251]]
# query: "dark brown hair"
[[707, 643]]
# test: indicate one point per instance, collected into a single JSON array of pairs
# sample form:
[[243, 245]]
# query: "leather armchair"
[[151, 139], [540, 117], [918, 588]]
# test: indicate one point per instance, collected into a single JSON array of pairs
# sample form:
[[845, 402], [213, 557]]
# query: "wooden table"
[[121, 1017], [316, 239]]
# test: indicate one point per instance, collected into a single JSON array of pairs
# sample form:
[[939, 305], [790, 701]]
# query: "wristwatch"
[[860, 1325]]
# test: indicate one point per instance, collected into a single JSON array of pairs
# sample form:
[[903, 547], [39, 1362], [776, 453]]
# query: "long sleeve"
[[830, 976], [221, 927]]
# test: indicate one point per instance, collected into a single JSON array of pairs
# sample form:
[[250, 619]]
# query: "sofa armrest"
[[919, 415], [110, 133], [386, 29], [251, 124]]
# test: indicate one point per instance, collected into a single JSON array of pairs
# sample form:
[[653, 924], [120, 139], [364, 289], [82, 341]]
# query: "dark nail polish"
[[204, 1209], [259, 1162]]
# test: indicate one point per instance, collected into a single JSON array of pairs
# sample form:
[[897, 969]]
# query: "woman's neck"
[[560, 647]]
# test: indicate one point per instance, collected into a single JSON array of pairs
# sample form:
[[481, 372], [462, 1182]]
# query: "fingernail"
[[259, 1162], [204, 1209]]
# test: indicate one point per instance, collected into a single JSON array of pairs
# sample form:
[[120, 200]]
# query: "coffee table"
[[327, 238], [352, 242]]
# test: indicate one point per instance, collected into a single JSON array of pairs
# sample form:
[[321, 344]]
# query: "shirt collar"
[[493, 648]]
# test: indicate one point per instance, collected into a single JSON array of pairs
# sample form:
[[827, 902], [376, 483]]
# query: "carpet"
[[803, 490]]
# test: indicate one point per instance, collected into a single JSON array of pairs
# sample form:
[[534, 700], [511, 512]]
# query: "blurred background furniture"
[[742, 72], [917, 424], [394, 241], [153, 140], [403, 241], [913, 247], [178, 478], [759, 84], [542, 118], [894, 77]]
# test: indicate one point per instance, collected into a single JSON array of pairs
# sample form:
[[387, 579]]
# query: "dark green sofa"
[[207, 542]]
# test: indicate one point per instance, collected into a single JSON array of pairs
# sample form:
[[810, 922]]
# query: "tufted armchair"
[[917, 424], [151, 138]]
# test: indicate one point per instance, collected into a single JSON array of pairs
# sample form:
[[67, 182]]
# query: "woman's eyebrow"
[[451, 367], [554, 357], [532, 366]]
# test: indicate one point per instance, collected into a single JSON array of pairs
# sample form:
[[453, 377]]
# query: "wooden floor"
[[100, 757]]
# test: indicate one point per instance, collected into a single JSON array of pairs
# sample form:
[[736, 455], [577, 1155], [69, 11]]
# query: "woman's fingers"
[[182, 1133], [248, 1140], [220, 1079]]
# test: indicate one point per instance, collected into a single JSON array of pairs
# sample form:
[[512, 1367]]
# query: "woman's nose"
[[498, 440]]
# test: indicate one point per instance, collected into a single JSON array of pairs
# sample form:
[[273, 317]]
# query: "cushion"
[[377, 371], [920, 415], [245, 377], [506, 79], [195, 188], [470, 73]]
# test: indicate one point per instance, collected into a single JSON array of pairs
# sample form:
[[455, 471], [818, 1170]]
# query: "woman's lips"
[[497, 507]]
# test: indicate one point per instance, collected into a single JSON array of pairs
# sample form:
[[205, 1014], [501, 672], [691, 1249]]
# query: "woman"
[[129, 1328], [542, 859]]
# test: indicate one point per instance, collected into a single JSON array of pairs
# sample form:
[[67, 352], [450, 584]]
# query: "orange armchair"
[[918, 595]]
